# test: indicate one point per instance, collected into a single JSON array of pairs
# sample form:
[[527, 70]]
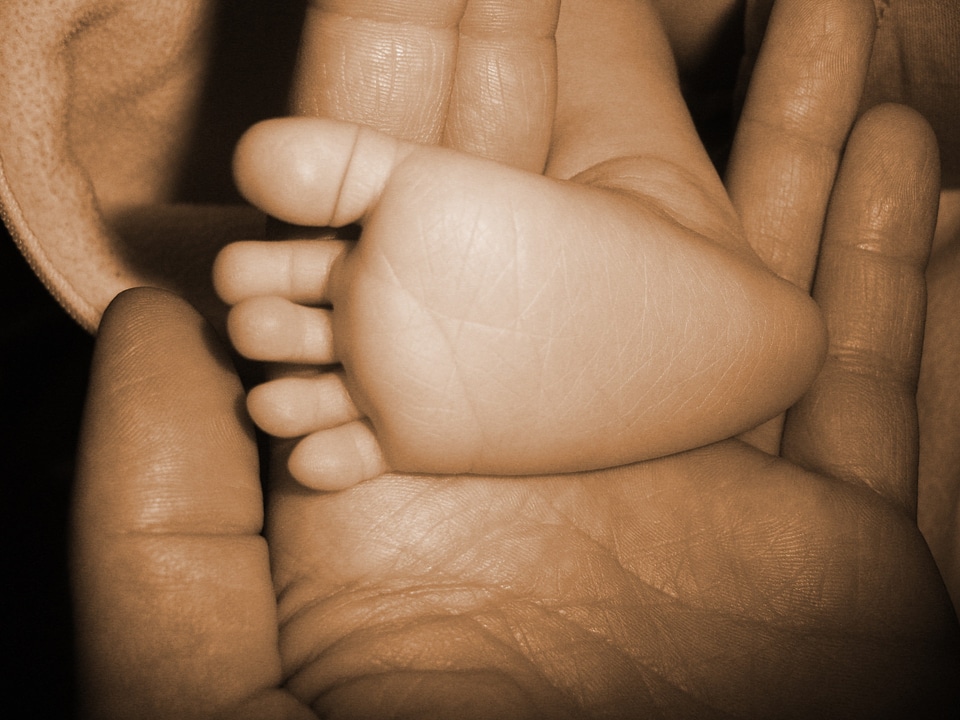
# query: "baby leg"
[[496, 321]]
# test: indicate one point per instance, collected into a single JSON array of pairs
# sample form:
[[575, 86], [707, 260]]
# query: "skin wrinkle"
[[358, 603], [354, 598], [805, 140], [643, 666], [411, 689], [443, 15], [868, 472], [792, 261], [348, 172], [657, 196], [453, 338], [443, 521], [495, 85], [658, 207], [849, 358], [583, 368], [577, 632], [387, 264], [89, 15], [859, 343], [486, 20], [613, 385], [495, 641], [163, 502], [704, 362], [608, 545], [493, 287], [414, 507], [476, 122], [733, 539], [608, 548], [376, 88]]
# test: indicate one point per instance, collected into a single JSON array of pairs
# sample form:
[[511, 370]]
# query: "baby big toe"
[[273, 329], [295, 406]]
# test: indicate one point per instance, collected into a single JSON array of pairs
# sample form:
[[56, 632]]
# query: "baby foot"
[[490, 320]]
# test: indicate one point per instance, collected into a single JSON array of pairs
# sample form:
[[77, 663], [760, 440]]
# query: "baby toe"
[[337, 458], [297, 270], [295, 406], [273, 329]]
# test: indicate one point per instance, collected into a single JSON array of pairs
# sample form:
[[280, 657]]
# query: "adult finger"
[[802, 100], [175, 610], [474, 75], [379, 63], [504, 93], [859, 421]]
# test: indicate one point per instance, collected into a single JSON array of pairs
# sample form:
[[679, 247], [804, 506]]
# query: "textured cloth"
[[916, 61]]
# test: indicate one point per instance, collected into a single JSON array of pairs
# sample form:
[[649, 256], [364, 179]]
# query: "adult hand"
[[176, 615], [816, 63], [478, 76], [675, 587]]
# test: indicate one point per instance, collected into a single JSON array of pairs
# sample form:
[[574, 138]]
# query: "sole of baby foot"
[[495, 321], [491, 321]]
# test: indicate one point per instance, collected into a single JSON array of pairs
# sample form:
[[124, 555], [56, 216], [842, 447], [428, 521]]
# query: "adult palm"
[[721, 581]]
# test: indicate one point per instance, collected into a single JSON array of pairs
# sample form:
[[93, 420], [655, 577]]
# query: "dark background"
[[44, 361]]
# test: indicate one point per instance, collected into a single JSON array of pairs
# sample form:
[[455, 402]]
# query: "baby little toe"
[[337, 458]]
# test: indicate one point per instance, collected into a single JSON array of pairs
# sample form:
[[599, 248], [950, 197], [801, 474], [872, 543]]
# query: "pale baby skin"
[[490, 320]]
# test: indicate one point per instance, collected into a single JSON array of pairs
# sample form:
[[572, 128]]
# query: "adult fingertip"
[[813, 65], [898, 116], [164, 422], [143, 324], [893, 157], [894, 127], [133, 303]]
